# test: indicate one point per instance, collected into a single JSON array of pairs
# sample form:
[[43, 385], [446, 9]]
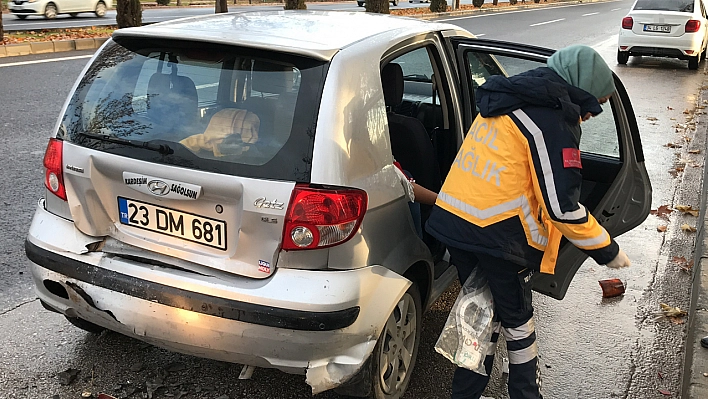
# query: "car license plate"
[[171, 222], [657, 28]]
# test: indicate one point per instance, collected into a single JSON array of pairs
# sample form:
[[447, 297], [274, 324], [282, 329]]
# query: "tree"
[[221, 6], [295, 5], [377, 6], [2, 32], [438, 5], [129, 13]]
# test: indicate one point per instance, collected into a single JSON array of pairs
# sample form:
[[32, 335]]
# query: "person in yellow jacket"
[[512, 194]]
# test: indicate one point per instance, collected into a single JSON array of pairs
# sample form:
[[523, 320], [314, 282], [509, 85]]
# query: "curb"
[[695, 384], [55, 46]]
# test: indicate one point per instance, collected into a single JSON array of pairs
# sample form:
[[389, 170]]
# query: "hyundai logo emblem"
[[158, 187]]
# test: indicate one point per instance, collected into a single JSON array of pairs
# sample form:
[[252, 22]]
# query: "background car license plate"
[[657, 28], [187, 226]]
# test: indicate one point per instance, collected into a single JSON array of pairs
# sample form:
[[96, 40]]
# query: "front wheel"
[[73, 14], [50, 11], [100, 9], [360, 3], [693, 62], [395, 2], [622, 57], [397, 348], [20, 16]]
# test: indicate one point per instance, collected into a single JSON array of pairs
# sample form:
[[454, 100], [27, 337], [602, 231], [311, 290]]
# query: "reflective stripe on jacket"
[[512, 193]]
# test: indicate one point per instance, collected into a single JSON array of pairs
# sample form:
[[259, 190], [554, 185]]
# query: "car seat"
[[172, 103]]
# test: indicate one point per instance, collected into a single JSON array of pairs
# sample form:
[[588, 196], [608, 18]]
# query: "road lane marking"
[[615, 9], [479, 34], [77, 57], [548, 22], [589, 14], [492, 14]]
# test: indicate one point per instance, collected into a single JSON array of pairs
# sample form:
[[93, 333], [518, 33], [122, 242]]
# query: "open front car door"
[[616, 187]]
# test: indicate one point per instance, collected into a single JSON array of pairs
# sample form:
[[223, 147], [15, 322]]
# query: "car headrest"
[[392, 82], [272, 78]]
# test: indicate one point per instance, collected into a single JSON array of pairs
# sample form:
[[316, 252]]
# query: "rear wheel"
[[73, 14], [397, 349], [85, 325], [100, 9], [693, 62], [395, 2], [50, 11], [360, 3], [21, 16], [622, 57]]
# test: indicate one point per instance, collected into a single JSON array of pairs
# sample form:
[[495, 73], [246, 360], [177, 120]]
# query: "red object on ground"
[[612, 287]]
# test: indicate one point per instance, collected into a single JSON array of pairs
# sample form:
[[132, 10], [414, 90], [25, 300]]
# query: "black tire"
[[21, 16], [50, 11], [360, 3], [390, 387], [85, 325], [693, 62], [703, 54], [73, 14], [100, 10], [622, 57], [395, 2]]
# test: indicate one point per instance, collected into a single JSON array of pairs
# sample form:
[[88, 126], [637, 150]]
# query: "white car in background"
[[665, 28], [51, 8]]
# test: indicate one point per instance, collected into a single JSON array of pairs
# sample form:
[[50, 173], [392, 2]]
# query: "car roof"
[[317, 34]]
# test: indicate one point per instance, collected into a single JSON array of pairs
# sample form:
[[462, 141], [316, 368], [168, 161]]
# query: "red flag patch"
[[571, 158]]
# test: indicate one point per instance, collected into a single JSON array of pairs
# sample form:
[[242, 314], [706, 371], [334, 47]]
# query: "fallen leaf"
[[670, 311], [686, 112], [86, 394], [662, 211], [669, 108], [661, 376], [679, 259], [661, 229], [664, 392], [688, 228], [105, 396], [676, 320], [652, 118], [687, 209], [688, 266], [673, 145], [694, 151]]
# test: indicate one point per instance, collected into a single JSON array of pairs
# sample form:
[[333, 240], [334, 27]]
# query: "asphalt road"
[[590, 348], [151, 15]]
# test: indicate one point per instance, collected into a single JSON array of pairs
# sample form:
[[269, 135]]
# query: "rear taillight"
[[320, 218], [693, 25], [53, 175], [627, 23]]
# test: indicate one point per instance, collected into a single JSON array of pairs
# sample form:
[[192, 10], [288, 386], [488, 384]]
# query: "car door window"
[[600, 133]]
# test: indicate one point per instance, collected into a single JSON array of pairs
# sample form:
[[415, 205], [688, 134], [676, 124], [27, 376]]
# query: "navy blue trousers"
[[511, 289]]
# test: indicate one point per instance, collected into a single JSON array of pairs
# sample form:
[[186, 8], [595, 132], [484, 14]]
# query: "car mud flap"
[[331, 375]]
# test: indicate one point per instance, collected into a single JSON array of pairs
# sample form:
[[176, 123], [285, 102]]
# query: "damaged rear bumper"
[[320, 323]]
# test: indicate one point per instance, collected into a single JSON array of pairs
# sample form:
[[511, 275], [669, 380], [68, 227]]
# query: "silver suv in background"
[[224, 187]]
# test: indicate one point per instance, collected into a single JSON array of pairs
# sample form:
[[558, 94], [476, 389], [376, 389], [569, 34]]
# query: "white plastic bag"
[[466, 337]]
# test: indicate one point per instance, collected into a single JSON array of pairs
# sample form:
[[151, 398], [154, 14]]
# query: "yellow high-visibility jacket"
[[513, 190]]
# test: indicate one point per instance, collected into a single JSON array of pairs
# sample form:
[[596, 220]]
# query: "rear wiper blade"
[[163, 149]]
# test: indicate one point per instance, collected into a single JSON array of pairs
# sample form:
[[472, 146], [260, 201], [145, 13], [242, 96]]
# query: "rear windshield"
[[221, 109], [665, 5]]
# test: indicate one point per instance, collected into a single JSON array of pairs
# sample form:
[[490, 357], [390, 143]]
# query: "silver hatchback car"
[[224, 186]]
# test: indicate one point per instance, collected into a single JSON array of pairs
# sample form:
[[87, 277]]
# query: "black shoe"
[[704, 342]]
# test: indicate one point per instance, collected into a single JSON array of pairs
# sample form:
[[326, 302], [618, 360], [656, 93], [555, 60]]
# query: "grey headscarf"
[[583, 67]]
